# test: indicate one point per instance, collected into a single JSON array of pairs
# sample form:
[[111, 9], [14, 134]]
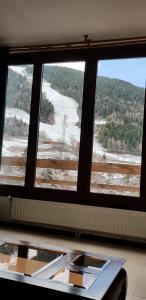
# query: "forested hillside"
[[67, 82], [19, 96], [122, 105], [118, 102]]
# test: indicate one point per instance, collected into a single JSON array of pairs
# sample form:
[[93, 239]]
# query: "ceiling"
[[38, 22]]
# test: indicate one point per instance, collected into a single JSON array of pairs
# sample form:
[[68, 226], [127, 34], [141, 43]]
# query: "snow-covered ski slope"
[[66, 118], [65, 111]]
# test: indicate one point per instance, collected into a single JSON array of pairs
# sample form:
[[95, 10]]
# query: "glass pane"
[[59, 130], [118, 126], [16, 126]]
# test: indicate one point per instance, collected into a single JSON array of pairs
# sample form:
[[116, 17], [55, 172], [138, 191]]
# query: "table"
[[51, 271]]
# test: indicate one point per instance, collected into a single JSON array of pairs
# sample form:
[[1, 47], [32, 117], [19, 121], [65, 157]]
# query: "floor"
[[135, 256]]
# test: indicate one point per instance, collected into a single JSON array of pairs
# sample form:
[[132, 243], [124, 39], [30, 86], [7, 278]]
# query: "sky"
[[132, 70]]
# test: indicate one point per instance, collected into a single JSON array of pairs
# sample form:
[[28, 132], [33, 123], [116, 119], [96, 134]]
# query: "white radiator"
[[80, 217]]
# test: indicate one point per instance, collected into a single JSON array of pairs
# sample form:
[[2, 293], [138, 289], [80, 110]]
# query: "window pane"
[[59, 130], [16, 125], [118, 126]]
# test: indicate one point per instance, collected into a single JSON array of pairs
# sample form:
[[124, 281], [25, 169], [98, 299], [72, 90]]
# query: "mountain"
[[118, 102]]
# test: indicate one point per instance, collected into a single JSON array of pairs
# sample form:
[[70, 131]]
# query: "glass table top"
[[25, 260]]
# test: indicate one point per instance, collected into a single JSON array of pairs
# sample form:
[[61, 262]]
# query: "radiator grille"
[[97, 219]]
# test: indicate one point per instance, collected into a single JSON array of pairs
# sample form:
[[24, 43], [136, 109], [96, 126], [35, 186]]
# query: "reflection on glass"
[[59, 129], [75, 278], [16, 125], [89, 262], [25, 260], [118, 127], [43, 255]]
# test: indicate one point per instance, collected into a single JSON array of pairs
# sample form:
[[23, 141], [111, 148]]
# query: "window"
[[118, 126], [16, 126], [74, 134]]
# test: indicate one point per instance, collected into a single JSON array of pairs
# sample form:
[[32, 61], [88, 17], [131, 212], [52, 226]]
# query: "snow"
[[17, 113], [100, 122], [66, 116], [99, 150]]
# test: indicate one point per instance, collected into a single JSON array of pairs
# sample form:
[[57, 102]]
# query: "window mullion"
[[143, 163], [3, 83], [33, 127], [86, 141]]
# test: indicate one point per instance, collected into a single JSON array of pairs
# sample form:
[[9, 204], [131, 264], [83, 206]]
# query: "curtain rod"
[[85, 44]]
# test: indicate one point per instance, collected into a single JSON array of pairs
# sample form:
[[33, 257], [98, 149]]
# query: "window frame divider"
[[33, 127], [3, 84], [143, 158], [87, 126]]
